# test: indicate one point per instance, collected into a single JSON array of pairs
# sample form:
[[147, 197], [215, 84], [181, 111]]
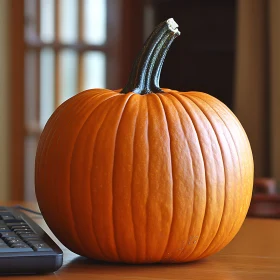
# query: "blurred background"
[[53, 49]]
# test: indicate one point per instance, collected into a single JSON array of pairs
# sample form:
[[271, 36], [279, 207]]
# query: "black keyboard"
[[24, 246]]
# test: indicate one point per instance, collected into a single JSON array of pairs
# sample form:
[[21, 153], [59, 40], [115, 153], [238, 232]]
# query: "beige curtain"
[[257, 81]]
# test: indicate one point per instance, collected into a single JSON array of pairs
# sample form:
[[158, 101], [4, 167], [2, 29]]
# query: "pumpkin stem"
[[145, 74]]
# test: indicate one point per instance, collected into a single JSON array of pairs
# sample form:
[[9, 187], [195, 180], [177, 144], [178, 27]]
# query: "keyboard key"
[[29, 239], [15, 250], [19, 232], [27, 235], [34, 242], [20, 245], [10, 242], [10, 224], [8, 238], [12, 220], [5, 213], [20, 227], [8, 234], [7, 217], [4, 228], [41, 247]]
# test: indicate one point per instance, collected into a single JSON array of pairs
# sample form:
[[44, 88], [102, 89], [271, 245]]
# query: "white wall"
[[4, 101]]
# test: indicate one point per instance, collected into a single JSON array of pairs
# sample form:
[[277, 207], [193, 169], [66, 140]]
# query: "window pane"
[[30, 79], [46, 85], [68, 74], [30, 146], [68, 20], [94, 70], [30, 19], [47, 20], [95, 21]]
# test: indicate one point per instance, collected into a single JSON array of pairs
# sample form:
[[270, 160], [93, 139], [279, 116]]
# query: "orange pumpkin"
[[144, 174]]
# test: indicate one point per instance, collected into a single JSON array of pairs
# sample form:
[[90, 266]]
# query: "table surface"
[[253, 254]]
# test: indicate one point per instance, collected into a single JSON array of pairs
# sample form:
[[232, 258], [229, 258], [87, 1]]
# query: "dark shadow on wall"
[[203, 57]]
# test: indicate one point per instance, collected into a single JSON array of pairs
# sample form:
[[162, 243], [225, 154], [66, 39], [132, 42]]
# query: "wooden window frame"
[[17, 99], [128, 13]]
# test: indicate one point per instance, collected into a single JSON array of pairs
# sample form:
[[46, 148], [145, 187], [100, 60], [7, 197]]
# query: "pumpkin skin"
[[159, 177]]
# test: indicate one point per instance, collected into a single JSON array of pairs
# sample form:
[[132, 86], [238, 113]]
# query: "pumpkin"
[[144, 174]]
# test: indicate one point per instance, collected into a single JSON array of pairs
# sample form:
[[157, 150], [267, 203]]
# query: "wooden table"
[[253, 254]]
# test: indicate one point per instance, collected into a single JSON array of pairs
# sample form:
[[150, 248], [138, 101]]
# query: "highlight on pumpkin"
[[146, 175]]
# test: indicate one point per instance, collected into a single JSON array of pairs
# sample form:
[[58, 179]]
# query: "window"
[[65, 53], [59, 48], [68, 46]]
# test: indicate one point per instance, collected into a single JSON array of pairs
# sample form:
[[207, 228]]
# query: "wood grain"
[[17, 99], [253, 254]]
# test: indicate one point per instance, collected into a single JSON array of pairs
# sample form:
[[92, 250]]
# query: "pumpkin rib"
[[99, 103], [159, 96], [74, 228], [237, 124], [71, 185], [127, 98], [110, 99], [45, 134], [109, 214], [53, 133], [239, 164], [160, 196], [148, 183], [226, 110], [132, 176], [176, 104], [203, 226], [49, 135], [245, 140], [141, 141], [225, 170], [190, 114], [249, 155], [233, 228], [241, 175], [241, 132], [222, 161], [100, 124]]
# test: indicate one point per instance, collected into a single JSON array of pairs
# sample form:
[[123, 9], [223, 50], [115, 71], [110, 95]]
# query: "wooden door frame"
[[17, 99]]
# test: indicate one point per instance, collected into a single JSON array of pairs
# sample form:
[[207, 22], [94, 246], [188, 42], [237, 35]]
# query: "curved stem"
[[159, 63], [150, 78], [144, 77]]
